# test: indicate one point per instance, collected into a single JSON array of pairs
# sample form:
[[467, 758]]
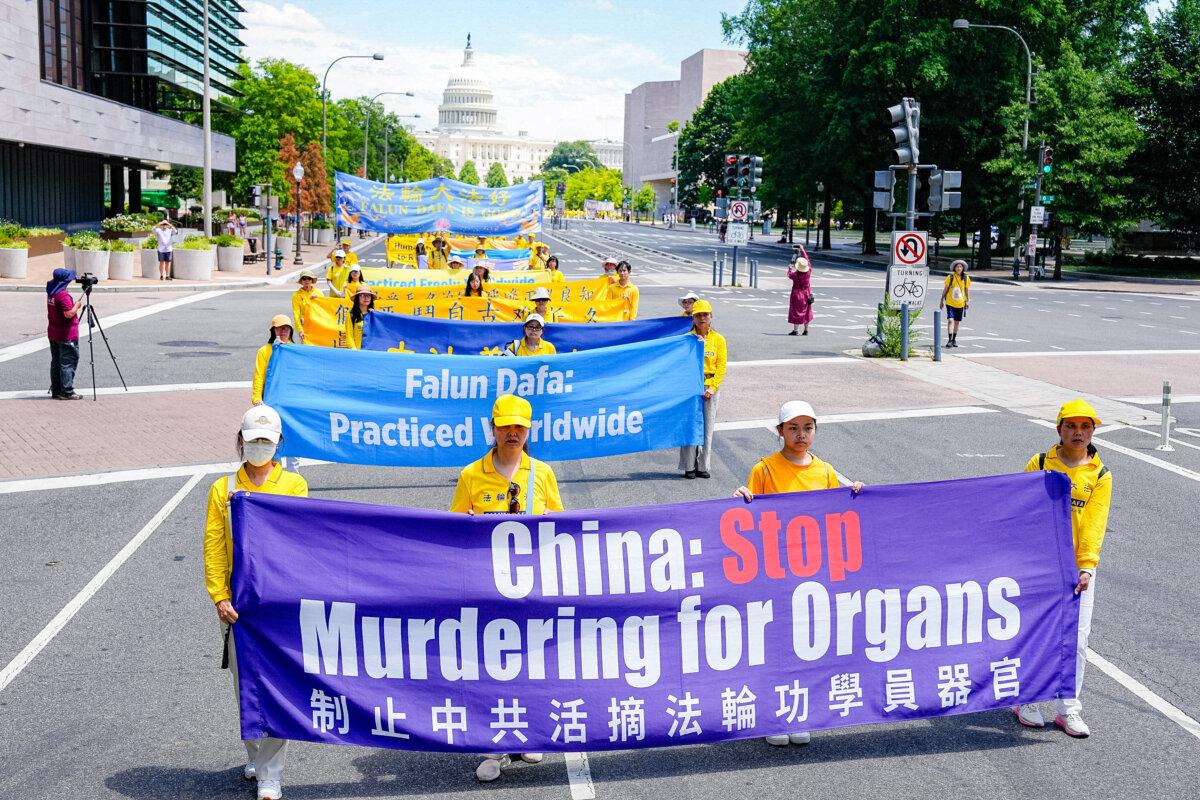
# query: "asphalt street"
[[126, 700]]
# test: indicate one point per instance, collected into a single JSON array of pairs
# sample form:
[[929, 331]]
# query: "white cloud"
[[562, 88]]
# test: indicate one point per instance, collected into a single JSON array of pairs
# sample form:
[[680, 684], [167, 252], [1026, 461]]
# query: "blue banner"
[[438, 204], [517, 254], [660, 625], [383, 330], [401, 410]]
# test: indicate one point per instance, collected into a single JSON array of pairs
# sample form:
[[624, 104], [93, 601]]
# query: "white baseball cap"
[[540, 293], [611, 260], [689, 296], [261, 422], [339, 253], [796, 408], [534, 318]]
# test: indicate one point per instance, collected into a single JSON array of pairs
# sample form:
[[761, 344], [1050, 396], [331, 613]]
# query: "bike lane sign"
[[907, 285]]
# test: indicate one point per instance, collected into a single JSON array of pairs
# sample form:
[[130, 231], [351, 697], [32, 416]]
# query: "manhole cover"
[[188, 343], [197, 354]]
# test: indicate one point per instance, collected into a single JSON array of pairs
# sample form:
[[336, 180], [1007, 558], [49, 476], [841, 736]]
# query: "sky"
[[559, 70]]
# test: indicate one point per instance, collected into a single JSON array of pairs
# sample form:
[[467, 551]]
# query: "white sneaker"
[[489, 769], [270, 790], [1029, 715], [779, 740], [804, 737], [249, 773], [532, 758], [1073, 725]]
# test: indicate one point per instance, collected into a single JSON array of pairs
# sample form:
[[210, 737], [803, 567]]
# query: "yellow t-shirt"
[[957, 294], [351, 288], [546, 349], [551, 315], [482, 489], [630, 294], [774, 474], [1091, 495], [300, 301], [218, 538], [261, 359], [715, 355], [354, 333], [438, 259], [537, 261], [556, 276], [351, 258]]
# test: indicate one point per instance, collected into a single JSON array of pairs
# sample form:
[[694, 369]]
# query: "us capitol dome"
[[467, 103]]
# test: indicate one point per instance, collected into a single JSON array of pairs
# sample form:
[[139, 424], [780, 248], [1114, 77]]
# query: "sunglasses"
[[514, 498]]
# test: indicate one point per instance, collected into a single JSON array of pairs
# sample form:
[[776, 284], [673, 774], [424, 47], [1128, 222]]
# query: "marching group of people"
[[509, 479]]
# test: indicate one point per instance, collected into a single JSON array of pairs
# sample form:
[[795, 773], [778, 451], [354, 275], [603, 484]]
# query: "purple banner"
[[651, 626]]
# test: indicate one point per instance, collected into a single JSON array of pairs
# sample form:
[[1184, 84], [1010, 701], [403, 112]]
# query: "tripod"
[[93, 321]]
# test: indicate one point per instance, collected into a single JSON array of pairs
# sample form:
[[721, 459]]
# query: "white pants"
[[698, 457], [1087, 601], [268, 753]]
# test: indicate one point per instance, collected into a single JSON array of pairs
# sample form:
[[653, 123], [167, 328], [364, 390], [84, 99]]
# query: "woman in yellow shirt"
[[793, 469], [302, 297], [695, 460], [364, 303], [556, 275], [537, 257], [258, 438], [455, 268], [1091, 495], [439, 254], [281, 331], [353, 281], [507, 480], [532, 343], [956, 298], [625, 290]]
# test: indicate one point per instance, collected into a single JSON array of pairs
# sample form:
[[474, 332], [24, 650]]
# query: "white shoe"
[[269, 790], [249, 773], [804, 737], [489, 769], [1073, 725], [779, 740], [532, 758], [1029, 715]]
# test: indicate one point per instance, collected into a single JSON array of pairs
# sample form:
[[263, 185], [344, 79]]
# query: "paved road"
[[127, 700]]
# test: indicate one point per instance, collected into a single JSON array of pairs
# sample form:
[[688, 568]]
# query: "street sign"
[[737, 233], [560, 203], [1036, 214], [1047, 199], [739, 210], [907, 285], [909, 248], [820, 208]]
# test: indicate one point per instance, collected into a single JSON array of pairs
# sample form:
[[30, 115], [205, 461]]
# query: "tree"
[[495, 176], [578, 152], [1166, 73], [705, 140], [185, 183], [286, 158], [468, 174], [443, 167], [644, 200], [316, 197], [592, 184], [518, 180]]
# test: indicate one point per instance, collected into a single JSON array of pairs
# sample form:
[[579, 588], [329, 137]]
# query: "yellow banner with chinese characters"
[[325, 321], [420, 282]]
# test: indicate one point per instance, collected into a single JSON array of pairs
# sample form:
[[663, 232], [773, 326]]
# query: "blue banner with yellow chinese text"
[[438, 204]]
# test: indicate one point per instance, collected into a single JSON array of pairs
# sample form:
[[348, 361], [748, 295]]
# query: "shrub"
[[11, 230], [196, 243], [43, 231], [149, 243], [225, 240], [13, 244], [85, 240], [117, 246], [130, 223], [320, 224], [890, 344]]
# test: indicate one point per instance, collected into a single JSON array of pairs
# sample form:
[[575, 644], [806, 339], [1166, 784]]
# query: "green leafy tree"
[[443, 168], [578, 152], [468, 174], [185, 182], [591, 184], [495, 176], [644, 200], [705, 140]]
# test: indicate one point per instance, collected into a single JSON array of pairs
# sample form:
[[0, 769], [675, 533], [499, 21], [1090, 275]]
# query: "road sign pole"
[[904, 331], [733, 274], [910, 216]]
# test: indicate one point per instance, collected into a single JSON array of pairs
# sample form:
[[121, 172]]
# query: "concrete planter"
[[93, 261], [195, 265], [120, 265], [149, 263], [285, 244], [322, 235], [14, 262], [45, 245], [229, 259], [68, 256]]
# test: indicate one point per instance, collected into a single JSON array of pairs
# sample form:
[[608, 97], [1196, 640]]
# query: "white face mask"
[[258, 453]]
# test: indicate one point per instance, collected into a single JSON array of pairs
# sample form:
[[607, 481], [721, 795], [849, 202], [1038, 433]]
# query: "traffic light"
[[256, 195], [906, 131], [1047, 159], [755, 210], [885, 185], [722, 211], [756, 171], [731, 171], [745, 174], [940, 182]]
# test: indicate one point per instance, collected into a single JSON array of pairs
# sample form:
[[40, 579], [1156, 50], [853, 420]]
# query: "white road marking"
[[41, 343], [1156, 399], [35, 394], [39, 642], [862, 416], [1155, 433], [1151, 460], [789, 362], [1036, 353], [1142, 692], [579, 776]]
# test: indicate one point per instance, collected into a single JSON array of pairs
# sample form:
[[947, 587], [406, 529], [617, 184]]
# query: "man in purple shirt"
[[62, 330]]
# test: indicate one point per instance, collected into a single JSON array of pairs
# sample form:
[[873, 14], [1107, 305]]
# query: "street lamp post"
[[206, 112], [367, 127], [962, 25], [325, 97], [298, 174]]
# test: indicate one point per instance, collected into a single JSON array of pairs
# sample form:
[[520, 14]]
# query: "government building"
[[468, 130]]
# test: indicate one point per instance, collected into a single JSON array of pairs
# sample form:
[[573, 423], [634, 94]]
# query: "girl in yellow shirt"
[[556, 275], [257, 441], [507, 480], [792, 469], [532, 343], [281, 331], [364, 303]]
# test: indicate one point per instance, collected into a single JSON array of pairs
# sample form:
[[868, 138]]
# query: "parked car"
[[995, 237]]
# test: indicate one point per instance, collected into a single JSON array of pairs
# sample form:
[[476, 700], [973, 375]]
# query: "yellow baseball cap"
[[512, 410], [1077, 408], [701, 307], [281, 319]]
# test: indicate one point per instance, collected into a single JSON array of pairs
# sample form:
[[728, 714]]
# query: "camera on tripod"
[[87, 280]]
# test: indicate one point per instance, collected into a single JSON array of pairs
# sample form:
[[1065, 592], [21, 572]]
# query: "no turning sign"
[[739, 210], [909, 249]]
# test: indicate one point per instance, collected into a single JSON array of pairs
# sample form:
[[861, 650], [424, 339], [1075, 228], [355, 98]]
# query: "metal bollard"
[[714, 278], [879, 322], [937, 335], [733, 275], [754, 272], [1165, 431], [904, 332], [721, 273]]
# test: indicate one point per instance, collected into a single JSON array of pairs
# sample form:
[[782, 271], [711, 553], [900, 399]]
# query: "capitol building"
[[468, 130]]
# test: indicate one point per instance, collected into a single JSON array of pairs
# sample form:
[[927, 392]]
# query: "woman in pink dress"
[[800, 302]]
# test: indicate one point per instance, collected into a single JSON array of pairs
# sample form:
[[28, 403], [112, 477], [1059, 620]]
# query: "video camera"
[[87, 280]]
